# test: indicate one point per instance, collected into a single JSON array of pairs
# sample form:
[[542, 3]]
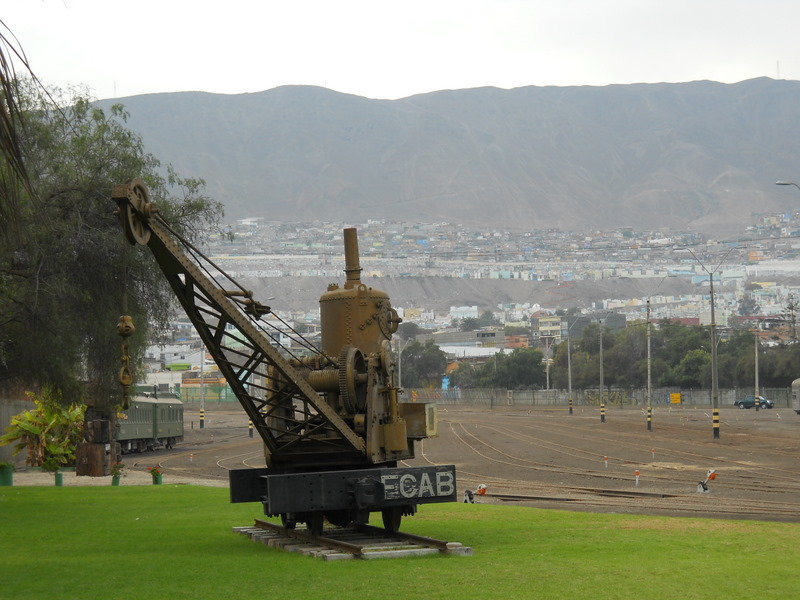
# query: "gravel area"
[[34, 477]]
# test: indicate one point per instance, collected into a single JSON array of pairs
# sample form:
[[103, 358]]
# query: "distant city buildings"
[[767, 252]]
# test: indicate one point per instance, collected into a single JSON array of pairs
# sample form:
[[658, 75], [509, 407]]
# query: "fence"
[[211, 393], [615, 397], [526, 398]]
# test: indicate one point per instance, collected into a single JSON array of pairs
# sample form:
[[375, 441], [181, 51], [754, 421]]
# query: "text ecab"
[[418, 485]]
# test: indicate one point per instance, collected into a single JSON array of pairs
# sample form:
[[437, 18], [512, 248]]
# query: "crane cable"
[[203, 262]]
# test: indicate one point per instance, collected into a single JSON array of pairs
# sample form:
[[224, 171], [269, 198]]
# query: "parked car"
[[750, 402]]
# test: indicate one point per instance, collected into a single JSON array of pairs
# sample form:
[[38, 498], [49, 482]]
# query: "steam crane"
[[333, 425]]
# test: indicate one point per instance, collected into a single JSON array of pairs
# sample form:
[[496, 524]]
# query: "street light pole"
[[787, 183], [400, 361]]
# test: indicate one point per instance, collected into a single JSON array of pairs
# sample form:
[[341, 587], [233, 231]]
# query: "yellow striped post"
[[716, 423]]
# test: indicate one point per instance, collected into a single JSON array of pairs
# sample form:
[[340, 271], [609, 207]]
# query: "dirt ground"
[[549, 458]]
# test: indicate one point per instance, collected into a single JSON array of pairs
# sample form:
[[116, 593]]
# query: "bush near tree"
[[49, 433]]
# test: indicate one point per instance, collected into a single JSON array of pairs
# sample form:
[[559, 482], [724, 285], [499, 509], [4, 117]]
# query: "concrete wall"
[[8, 409]]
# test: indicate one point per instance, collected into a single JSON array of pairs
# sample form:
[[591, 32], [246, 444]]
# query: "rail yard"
[[550, 459]]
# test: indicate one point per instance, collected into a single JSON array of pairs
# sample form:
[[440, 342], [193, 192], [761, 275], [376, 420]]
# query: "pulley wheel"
[[136, 213]]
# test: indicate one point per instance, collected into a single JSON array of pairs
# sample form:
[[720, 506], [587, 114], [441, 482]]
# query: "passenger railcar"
[[149, 423]]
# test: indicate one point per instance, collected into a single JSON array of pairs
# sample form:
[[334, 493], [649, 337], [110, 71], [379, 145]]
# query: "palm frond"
[[12, 170]]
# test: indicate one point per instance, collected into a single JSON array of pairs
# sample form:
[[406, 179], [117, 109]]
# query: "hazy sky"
[[392, 49]]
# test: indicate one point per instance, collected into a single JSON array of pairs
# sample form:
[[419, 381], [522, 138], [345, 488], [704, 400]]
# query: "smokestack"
[[351, 263]]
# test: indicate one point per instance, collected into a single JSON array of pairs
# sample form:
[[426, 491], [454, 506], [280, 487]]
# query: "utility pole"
[[756, 366], [714, 369], [202, 386], [569, 374], [649, 375], [714, 379], [602, 383]]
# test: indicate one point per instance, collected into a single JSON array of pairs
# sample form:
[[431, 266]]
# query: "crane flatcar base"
[[342, 543]]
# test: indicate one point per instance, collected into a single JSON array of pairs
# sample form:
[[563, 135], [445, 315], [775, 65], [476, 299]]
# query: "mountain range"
[[700, 156]]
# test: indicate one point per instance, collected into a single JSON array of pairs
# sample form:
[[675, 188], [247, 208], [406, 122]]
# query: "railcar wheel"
[[287, 521], [315, 523], [338, 518], [391, 518]]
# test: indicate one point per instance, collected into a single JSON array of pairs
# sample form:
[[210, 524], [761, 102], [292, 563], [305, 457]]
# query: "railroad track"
[[549, 461], [359, 542], [689, 505], [546, 462], [213, 459]]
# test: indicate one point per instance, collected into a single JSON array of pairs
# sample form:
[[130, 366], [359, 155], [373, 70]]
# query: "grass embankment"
[[173, 542]]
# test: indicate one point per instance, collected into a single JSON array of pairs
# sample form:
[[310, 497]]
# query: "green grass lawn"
[[172, 542]]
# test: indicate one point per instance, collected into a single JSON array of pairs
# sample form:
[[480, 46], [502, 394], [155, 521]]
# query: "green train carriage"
[[149, 424]]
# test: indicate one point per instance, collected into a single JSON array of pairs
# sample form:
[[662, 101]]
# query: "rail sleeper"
[[340, 544]]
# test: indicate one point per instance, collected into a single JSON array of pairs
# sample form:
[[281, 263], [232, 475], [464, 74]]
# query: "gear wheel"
[[352, 393]]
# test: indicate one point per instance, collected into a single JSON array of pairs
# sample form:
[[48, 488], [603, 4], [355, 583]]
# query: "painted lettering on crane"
[[418, 485]]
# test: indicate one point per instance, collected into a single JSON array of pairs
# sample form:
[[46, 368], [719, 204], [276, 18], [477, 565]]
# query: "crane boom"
[[242, 351]]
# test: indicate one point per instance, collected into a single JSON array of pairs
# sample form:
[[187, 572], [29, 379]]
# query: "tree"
[[522, 369], [625, 363], [486, 319], [748, 306], [693, 371], [464, 376], [408, 330], [517, 330], [469, 324], [422, 365], [68, 276]]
